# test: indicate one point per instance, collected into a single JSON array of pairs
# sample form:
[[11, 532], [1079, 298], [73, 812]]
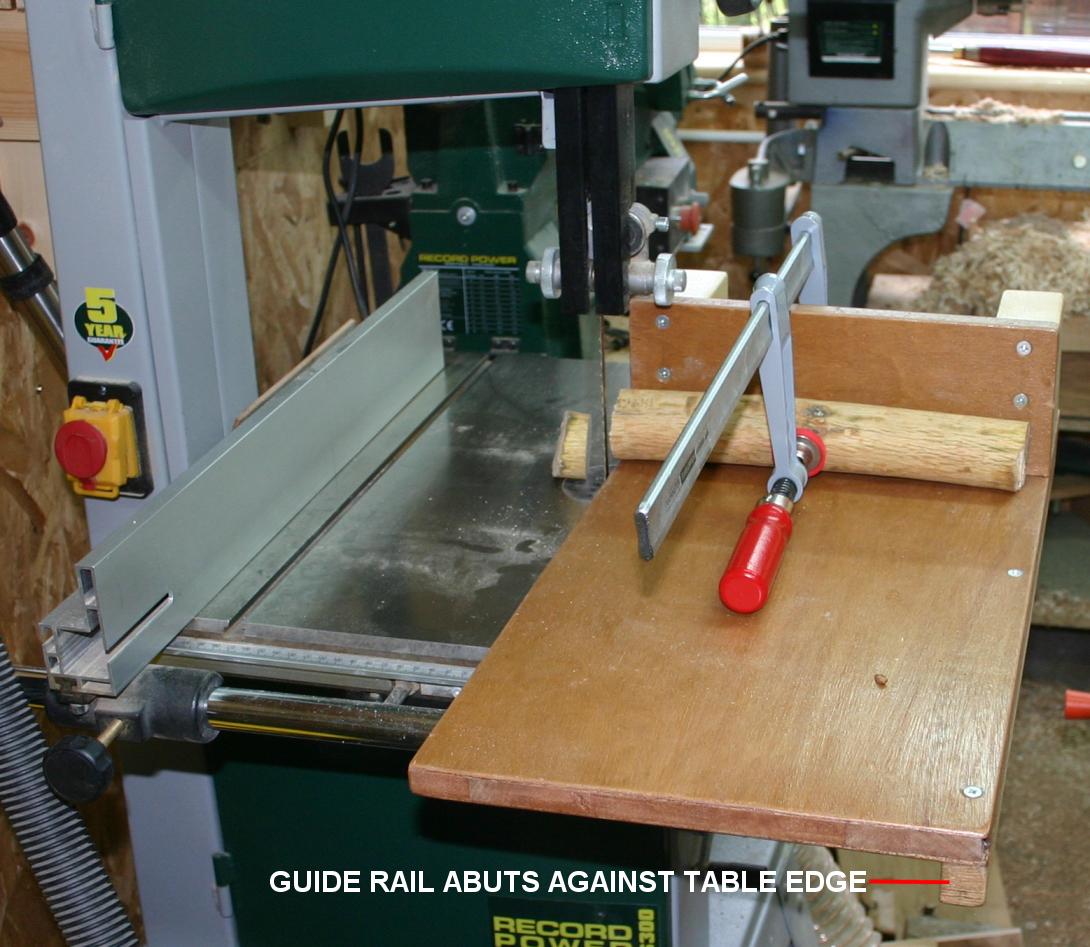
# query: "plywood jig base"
[[868, 706]]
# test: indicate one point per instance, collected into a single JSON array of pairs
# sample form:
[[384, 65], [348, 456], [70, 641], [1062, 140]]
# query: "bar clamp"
[[765, 346]]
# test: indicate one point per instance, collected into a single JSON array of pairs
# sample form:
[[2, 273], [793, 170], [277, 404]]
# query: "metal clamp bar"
[[765, 339], [804, 277]]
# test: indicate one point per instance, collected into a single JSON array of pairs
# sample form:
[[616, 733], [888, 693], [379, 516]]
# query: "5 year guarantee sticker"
[[101, 322]]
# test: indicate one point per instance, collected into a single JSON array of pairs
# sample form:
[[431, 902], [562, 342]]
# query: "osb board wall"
[[716, 162], [44, 533], [286, 235]]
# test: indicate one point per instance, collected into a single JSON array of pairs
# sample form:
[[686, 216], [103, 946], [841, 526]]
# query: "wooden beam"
[[968, 885], [861, 439], [955, 364]]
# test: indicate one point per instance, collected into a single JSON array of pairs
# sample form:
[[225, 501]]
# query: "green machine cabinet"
[[305, 807]]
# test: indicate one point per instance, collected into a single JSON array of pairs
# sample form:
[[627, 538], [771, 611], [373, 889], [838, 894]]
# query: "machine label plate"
[[523, 922]]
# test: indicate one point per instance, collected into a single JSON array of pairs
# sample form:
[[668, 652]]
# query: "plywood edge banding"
[[945, 845]]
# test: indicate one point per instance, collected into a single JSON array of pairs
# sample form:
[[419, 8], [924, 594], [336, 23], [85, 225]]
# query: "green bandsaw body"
[[467, 156], [186, 56], [471, 155], [296, 806]]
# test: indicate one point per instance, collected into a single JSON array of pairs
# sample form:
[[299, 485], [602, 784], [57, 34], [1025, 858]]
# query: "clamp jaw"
[[764, 345]]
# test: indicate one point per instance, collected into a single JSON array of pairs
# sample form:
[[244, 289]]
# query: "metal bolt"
[[1023, 348], [662, 224], [664, 373], [1015, 573], [972, 792], [1079, 161], [466, 215], [1020, 400], [663, 322]]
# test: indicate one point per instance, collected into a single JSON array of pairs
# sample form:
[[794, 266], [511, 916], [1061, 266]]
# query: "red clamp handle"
[[756, 559], [1077, 705], [752, 568]]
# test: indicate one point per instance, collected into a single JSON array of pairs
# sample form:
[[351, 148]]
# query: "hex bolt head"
[[664, 373], [663, 322], [466, 215], [972, 792], [1023, 348], [1020, 400]]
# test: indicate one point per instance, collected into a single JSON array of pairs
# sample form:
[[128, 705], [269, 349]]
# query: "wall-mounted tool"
[[764, 345]]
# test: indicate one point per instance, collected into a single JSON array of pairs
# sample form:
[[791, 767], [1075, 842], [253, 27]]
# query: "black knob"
[[78, 768], [738, 7]]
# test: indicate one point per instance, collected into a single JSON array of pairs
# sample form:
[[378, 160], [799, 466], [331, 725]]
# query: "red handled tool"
[[752, 569]]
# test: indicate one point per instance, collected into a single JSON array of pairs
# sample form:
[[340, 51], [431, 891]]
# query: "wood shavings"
[[995, 112], [1029, 252]]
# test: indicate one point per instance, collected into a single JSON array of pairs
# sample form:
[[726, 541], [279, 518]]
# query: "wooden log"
[[864, 439]]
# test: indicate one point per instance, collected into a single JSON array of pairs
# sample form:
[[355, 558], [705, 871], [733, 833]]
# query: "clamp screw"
[[1023, 348], [1020, 400], [662, 224], [668, 279], [972, 792], [664, 373], [546, 272], [663, 322]]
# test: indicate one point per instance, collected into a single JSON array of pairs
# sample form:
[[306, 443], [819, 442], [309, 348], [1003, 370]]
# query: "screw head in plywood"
[[972, 792], [1023, 348], [664, 374], [1015, 573], [1020, 400], [663, 322]]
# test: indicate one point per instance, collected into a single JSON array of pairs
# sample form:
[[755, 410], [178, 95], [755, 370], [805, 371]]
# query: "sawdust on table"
[[995, 112], [1029, 252]]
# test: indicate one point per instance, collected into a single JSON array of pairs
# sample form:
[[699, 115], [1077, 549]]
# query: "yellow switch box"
[[96, 446]]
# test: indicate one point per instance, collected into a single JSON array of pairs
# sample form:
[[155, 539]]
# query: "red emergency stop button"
[[81, 449]]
